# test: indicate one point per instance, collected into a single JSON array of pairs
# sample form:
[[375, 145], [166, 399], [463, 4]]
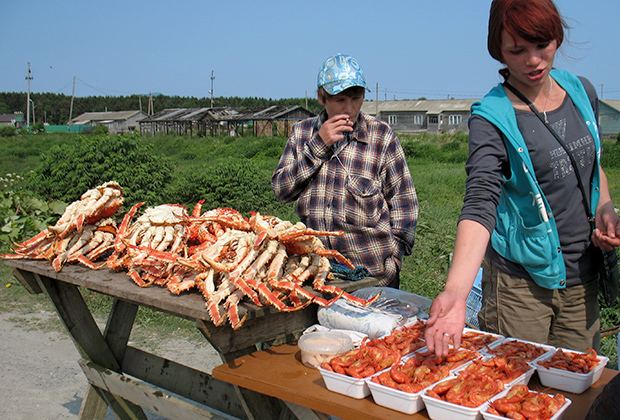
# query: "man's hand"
[[332, 129]]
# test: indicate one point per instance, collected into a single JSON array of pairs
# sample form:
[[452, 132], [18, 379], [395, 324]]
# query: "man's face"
[[344, 103]]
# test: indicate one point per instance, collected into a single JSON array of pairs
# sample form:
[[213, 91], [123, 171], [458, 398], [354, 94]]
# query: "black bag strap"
[[559, 139]]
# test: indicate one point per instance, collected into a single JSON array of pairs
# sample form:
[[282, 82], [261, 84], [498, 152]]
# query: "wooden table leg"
[[116, 334], [93, 406], [87, 337]]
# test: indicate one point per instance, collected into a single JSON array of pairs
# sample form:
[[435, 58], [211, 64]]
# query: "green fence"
[[68, 128]]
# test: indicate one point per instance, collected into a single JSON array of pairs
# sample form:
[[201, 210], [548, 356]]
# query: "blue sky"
[[273, 48]]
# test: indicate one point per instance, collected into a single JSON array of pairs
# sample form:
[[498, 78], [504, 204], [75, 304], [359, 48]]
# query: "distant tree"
[[54, 108]]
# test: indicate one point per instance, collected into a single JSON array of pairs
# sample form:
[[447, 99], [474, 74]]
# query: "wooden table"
[[128, 379], [288, 379]]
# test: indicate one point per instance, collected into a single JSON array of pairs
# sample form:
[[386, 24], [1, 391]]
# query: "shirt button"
[[562, 283]]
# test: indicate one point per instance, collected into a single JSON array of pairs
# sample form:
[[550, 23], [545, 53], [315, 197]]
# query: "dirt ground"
[[40, 377]]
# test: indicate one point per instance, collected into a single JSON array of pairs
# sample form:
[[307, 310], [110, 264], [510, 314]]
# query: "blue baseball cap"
[[340, 72]]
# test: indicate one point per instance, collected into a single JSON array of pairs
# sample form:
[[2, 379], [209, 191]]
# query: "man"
[[348, 172]]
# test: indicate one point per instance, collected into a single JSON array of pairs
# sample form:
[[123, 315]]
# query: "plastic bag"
[[392, 309]]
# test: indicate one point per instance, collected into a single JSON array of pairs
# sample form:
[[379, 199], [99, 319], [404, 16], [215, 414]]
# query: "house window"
[[433, 119], [417, 119], [392, 119], [455, 119]]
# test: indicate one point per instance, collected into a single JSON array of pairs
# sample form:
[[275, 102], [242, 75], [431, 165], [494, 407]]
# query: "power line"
[[442, 94], [103, 90]]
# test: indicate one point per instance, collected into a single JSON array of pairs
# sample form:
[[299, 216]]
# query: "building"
[[609, 117], [229, 121], [15, 119], [415, 116], [451, 115], [118, 122]]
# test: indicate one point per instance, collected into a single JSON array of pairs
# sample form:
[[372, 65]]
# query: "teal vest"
[[525, 231]]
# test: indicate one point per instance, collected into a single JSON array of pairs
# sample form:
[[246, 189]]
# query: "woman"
[[523, 210]]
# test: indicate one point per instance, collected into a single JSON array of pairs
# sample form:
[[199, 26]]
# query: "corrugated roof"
[[436, 106], [615, 104], [223, 113], [101, 116]]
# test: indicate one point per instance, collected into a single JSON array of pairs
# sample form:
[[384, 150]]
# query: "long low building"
[[415, 116], [452, 115], [229, 121], [118, 122]]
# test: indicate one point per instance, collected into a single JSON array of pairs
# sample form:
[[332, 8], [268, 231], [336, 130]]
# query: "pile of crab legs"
[[226, 256]]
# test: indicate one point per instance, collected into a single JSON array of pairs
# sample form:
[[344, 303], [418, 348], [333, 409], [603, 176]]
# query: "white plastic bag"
[[392, 309]]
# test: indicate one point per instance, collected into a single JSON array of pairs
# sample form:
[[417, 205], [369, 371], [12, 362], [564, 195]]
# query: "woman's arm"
[[448, 311]]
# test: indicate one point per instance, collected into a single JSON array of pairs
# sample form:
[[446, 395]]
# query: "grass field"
[[436, 164]]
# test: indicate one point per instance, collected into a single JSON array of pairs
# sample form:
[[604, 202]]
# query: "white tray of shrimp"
[[344, 384], [530, 351], [395, 399], [499, 406]]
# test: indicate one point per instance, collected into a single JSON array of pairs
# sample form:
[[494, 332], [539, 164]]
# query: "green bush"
[[7, 131], [67, 171], [240, 184], [100, 129], [37, 128]]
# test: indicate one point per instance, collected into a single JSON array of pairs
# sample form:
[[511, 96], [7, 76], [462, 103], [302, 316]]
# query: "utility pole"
[[34, 119], [211, 91], [29, 78], [377, 101], [71, 108]]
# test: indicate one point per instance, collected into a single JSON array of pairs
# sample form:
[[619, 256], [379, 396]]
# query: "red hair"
[[535, 21]]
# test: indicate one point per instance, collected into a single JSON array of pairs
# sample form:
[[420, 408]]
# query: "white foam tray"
[[569, 381]]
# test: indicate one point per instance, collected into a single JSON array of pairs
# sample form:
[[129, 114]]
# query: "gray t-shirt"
[[488, 160]]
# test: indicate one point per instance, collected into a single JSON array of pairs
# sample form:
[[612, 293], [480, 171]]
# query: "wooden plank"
[[93, 406], [123, 409], [154, 399], [28, 280], [79, 322], [303, 413], [87, 337], [258, 328], [285, 326], [278, 372], [119, 325], [183, 380], [288, 379]]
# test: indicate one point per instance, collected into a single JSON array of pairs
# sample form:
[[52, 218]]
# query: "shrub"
[[67, 171], [37, 128], [240, 184], [100, 129], [7, 131]]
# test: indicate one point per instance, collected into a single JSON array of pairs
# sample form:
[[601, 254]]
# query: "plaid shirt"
[[360, 185]]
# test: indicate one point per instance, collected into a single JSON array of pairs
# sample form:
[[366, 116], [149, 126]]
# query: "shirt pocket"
[[364, 201]]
